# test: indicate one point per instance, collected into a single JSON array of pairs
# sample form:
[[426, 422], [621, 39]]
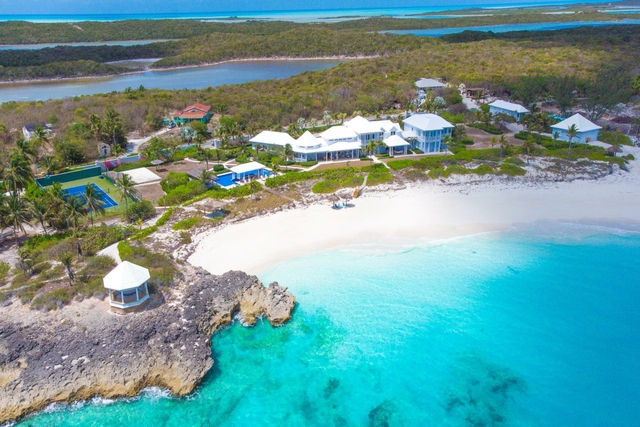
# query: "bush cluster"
[[142, 210], [182, 193]]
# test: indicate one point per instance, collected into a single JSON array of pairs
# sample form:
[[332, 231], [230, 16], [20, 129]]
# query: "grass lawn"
[[106, 186]]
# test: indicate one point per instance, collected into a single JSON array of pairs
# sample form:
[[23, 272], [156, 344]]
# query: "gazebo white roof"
[[429, 83], [126, 276], [338, 132], [307, 140], [361, 125], [582, 124], [395, 141], [427, 122], [248, 167], [509, 106], [273, 138]]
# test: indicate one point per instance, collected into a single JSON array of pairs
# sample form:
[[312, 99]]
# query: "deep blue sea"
[[533, 327]]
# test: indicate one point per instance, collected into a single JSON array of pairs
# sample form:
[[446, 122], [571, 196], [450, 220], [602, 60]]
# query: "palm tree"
[[556, 136], [66, 259], [18, 174], [493, 141], [446, 141], [42, 211], [93, 201], [39, 139], [371, 148], [572, 132], [50, 165], [313, 122], [258, 149], [528, 146], [275, 164], [504, 145], [18, 213], [117, 150], [127, 191], [205, 176], [288, 153], [207, 155]]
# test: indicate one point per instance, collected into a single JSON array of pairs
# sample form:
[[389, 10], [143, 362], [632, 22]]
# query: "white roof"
[[388, 125], [582, 124], [307, 140], [409, 134], [361, 125], [395, 141], [509, 106], [247, 167], [271, 137], [424, 83], [427, 122], [338, 132], [126, 276]]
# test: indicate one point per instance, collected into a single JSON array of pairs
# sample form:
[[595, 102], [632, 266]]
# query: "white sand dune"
[[424, 211]]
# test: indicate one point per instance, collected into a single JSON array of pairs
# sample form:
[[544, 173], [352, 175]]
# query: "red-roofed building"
[[198, 112]]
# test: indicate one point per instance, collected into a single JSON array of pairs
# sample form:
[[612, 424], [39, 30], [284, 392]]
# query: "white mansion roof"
[[582, 124], [307, 140], [126, 276], [338, 132], [361, 125], [247, 167], [409, 134], [509, 106], [395, 141], [270, 137], [429, 83], [427, 122]]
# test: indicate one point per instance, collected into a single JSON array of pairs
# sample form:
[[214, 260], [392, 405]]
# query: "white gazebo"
[[396, 145], [249, 170], [127, 285]]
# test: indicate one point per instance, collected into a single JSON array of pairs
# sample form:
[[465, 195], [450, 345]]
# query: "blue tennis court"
[[79, 191]]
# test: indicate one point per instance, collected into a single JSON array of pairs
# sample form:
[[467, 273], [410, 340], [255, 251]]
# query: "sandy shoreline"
[[419, 213], [184, 67]]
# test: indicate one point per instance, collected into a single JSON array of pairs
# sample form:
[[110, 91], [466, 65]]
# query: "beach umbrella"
[[614, 149], [156, 163]]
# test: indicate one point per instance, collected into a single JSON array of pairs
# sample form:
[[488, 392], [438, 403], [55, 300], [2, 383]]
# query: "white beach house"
[[428, 130], [587, 131], [426, 85], [503, 107], [127, 286], [341, 142]]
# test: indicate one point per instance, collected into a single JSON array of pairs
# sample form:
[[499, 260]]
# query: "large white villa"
[[348, 140], [428, 131], [586, 130]]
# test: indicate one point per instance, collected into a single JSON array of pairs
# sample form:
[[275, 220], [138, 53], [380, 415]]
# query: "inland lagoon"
[[536, 326]]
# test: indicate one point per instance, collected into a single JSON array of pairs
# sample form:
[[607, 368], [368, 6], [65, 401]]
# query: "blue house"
[[587, 131], [428, 131], [503, 107]]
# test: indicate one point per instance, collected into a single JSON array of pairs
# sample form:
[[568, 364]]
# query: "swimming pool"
[[79, 191], [227, 180]]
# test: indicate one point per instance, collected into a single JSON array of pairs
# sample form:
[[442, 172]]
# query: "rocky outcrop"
[[167, 346]]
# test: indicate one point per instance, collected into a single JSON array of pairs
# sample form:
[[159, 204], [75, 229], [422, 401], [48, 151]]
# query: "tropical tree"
[[50, 164], [493, 141], [39, 139], [127, 190], [112, 128], [42, 210], [18, 172], [93, 201], [556, 136], [275, 164], [205, 176], [207, 155], [528, 146], [66, 259], [572, 132], [370, 148], [504, 145], [18, 213], [313, 122], [288, 153]]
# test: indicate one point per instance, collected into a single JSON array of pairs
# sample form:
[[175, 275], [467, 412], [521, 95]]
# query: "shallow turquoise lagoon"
[[537, 327]]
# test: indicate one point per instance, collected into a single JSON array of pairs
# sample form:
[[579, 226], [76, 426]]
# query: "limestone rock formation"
[[167, 346]]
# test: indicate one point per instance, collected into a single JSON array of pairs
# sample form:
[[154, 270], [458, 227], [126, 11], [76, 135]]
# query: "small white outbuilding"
[[127, 286]]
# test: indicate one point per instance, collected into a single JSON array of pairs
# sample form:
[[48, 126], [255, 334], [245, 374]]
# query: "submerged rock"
[[168, 346]]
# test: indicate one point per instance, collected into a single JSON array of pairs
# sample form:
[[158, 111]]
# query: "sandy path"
[[426, 211]]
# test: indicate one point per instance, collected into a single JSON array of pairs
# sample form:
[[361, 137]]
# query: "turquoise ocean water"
[[534, 327]]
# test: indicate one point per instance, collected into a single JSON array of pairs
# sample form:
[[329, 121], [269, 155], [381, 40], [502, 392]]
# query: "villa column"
[[137, 296], [122, 296]]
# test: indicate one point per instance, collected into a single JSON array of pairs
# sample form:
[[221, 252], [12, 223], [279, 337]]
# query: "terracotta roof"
[[193, 111]]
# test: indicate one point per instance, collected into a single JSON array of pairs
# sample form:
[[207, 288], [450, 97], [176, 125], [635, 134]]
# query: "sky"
[[28, 7]]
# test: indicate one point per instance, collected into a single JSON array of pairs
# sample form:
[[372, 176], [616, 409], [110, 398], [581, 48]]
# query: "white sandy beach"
[[421, 212]]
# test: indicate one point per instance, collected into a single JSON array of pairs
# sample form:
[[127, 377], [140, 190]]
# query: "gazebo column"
[[137, 296], [122, 296]]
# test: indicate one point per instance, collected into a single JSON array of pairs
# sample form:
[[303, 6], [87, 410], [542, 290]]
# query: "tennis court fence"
[[113, 177]]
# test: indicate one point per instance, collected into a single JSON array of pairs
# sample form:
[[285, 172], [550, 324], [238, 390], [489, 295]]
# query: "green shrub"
[[486, 127], [218, 168], [483, 169], [145, 232], [511, 170], [183, 193], [185, 237], [467, 141], [452, 118], [397, 165], [456, 169], [629, 157], [160, 266], [36, 242], [614, 138], [185, 224], [136, 165], [142, 210], [308, 164], [97, 238], [514, 161], [4, 272], [378, 174], [173, 180], [326, 186], [417, 151], [164, 217]]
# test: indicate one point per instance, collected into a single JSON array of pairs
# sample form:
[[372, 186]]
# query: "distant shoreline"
[[183, 67]]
